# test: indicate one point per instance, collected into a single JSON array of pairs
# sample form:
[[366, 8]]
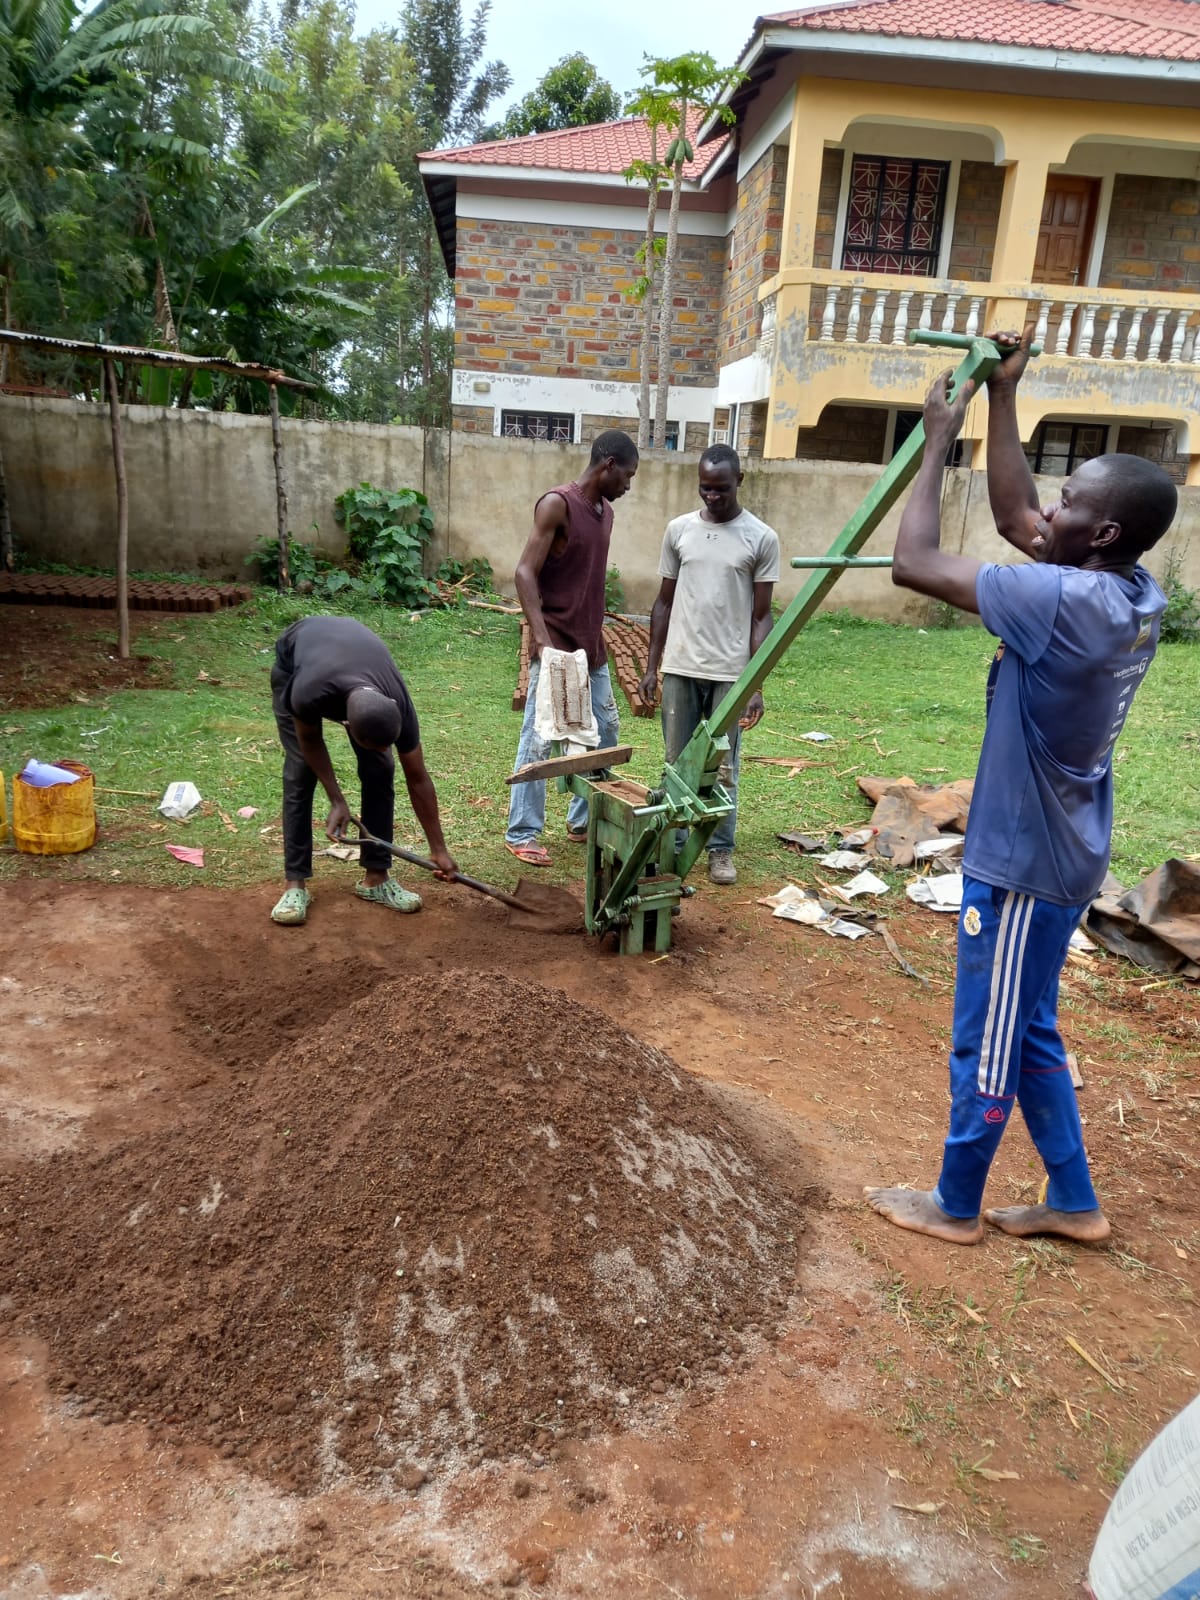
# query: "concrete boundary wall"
[[202, 492]]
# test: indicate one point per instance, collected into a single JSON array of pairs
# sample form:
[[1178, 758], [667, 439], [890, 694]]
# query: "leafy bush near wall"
[[387, 531], [1181, 619]]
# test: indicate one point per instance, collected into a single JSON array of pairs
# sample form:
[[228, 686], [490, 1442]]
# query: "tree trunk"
[[427, 323], [285, 577], [650, 266], [114, 415], [666, 313]]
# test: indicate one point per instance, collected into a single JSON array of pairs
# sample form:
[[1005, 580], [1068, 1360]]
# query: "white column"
[[829, 315], [948, 315], [1043, 322], [1133, 336], [1087, 329], [1062, 345], [1154, 348], [875, 331], [1111, 329], [900, 325], [854, 315]]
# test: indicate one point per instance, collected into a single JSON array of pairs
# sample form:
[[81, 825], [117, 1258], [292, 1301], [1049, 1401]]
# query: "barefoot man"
[[1078, 627]]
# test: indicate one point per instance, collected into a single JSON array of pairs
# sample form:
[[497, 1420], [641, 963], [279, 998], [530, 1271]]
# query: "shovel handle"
[[431, 866]]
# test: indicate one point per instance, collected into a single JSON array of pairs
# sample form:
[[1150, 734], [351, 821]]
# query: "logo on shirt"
[[1143, 633], [972, 921]]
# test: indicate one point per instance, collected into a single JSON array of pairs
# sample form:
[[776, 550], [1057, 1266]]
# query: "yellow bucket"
[[57, 821]]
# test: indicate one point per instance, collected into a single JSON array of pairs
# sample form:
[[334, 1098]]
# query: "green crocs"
[[390, 894], [292, 909]]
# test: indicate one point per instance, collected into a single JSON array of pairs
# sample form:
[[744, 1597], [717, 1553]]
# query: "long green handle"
[[431, 866]]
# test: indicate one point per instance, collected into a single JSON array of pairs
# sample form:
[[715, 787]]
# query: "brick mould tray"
[[100, 594]]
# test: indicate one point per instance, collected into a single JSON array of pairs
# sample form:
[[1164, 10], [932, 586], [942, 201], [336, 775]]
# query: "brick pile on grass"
[[465, 1218]]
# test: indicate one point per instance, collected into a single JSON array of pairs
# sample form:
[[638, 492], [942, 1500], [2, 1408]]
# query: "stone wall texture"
[[753, 252], [845, 433], [976, 216], [1153, 236], [552, 302], [824, 236]]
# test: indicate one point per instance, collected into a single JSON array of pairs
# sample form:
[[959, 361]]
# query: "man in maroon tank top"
[[560, 584]]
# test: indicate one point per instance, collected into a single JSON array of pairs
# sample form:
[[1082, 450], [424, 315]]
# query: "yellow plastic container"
[[3, 812], [58, 821]]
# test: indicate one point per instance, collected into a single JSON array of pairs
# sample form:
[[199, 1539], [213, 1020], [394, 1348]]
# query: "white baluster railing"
[[1087, 330], [900, 322], [1133, 335], [1062, 345], [875, 328], [1111, 329], [829, 316], [1154, 344], [855, 313], [948, 315], [1176, 350], [925, 322], [974, 311]]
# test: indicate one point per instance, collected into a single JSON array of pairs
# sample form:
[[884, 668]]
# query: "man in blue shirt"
[[1078, 629]]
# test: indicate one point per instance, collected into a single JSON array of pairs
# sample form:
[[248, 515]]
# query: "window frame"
[[551, 418]]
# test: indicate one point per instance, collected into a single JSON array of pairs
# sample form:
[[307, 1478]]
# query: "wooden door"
[[1065, 235]]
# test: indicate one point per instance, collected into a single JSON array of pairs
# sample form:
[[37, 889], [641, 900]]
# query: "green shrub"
[[386, 534], [614, 590], [1181, 619], [302, 562], [473, 576]]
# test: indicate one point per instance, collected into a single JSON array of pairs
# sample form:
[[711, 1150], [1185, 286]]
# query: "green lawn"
[[896, 700]]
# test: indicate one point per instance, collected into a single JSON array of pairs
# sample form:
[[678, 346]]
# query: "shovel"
[[534, 905]]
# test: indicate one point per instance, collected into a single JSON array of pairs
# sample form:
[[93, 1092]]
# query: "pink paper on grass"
[[247, 812], [193, 856]]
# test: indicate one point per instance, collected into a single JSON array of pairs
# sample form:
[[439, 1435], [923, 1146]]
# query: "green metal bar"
[[980, 358], [841, 562]]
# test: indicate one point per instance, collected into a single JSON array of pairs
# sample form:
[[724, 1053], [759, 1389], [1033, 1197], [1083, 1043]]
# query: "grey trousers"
[[686, 702]]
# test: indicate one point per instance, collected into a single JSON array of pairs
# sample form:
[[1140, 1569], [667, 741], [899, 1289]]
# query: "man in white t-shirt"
[[719, 566]]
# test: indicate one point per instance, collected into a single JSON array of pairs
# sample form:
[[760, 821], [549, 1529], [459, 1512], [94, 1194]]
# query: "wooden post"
[[114, 412], [281, 517]]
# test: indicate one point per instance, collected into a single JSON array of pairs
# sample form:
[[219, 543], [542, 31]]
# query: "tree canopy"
[[571, 95]]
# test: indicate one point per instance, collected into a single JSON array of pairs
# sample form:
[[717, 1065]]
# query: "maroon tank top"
[[571, 584]]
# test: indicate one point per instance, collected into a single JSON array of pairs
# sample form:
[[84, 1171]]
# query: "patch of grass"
[[896, 701]]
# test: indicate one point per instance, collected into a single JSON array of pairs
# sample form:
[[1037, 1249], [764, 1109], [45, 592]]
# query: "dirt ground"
[[46, 647], [914, 1423]]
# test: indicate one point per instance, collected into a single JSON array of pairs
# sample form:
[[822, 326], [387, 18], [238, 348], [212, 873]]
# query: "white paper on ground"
[[814, 737], [943, 844], [840, 929], [790, 891], [806, 911], [1080, 941], [943, 893], [843, 860], [180, 800], [865, 883]]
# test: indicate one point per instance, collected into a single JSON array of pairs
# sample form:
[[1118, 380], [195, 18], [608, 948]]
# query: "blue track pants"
[[1006, 1047]]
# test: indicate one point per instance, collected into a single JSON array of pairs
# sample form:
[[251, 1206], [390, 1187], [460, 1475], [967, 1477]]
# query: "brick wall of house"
[[827, 209], [1153, 236], [976, 215], [753, 252], [845, 433], [591, 426], [473, 419], [550, 301]]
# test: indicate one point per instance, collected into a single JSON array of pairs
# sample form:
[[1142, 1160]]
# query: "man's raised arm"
[[1012, 493]]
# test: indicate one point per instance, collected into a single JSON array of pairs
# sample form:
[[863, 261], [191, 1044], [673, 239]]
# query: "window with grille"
[[894, 216], [1057, 448], [557, 427]]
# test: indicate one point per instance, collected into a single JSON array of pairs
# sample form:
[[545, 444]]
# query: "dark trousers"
[[376, 775]]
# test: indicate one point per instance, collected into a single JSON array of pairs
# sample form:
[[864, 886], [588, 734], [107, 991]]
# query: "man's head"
[[720, 479], [1109, 512], [614, 459], [372, 718]]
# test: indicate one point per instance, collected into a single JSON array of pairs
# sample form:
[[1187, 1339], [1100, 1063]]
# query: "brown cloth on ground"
[[907, 812], [1156, 924]]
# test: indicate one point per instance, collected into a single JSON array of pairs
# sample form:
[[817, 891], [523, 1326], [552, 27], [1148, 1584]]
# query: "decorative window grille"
[[894, 216], [1057, 448], [556, 427]]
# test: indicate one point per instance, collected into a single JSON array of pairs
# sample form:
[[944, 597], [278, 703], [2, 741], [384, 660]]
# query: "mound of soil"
[[464, 1218]]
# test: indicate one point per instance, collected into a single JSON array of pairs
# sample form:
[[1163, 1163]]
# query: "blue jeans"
[[1006, 1048], [686, 703], [527, 801]]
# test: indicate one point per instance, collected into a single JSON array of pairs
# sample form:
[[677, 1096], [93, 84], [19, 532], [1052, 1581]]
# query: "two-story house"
[[894, 164]]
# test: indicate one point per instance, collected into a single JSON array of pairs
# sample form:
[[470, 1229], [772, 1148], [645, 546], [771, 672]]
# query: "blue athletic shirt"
[[1075, 646]]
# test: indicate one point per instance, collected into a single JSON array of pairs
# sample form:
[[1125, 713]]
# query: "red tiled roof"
[[603, 148], [1167, 30]]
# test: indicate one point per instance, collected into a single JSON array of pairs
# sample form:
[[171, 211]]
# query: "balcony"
[[841, 337]]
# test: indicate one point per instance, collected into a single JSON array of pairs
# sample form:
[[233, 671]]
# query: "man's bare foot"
[[919, 1212], [1023, 1222]]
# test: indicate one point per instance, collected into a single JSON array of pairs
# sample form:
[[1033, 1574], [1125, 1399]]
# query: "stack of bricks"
[[551, 301], [628, 645], [845, 433], [100, 594]]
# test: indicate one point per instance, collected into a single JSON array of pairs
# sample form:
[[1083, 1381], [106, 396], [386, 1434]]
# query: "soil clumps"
[[464, 1218]]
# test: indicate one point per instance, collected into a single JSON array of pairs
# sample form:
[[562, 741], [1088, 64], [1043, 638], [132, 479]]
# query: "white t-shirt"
[[715, 565]]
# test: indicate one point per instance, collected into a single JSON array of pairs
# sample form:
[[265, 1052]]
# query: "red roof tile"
[[600, 149], [1167, 30]]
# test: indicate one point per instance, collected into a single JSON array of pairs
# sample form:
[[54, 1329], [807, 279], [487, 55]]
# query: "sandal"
[[389, 894], [291, 910], [576, 835], [533, 855]]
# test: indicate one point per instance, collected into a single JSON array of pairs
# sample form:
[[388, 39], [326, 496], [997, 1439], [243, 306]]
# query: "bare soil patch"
[[50, 648], [849, 1456]]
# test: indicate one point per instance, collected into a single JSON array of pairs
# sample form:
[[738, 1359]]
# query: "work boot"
[[720, 866]]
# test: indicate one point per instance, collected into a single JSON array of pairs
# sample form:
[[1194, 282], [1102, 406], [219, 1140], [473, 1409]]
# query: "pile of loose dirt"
[[464, 1218]]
